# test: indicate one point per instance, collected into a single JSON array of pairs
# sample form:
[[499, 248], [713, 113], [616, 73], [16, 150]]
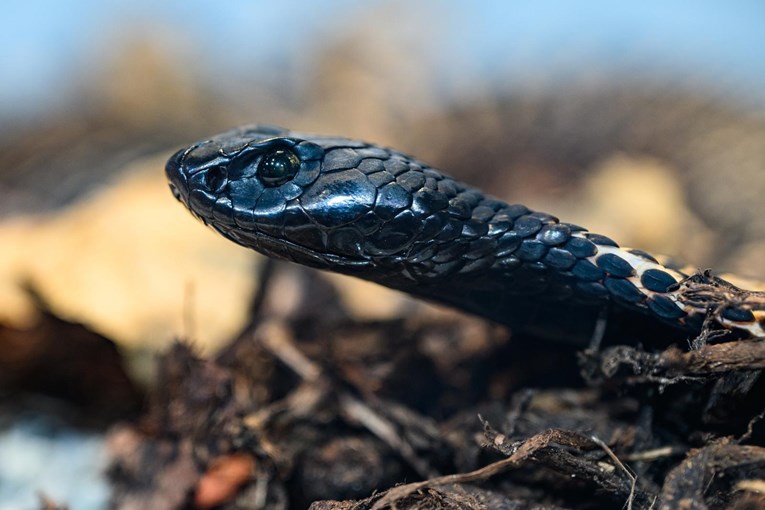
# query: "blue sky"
[[48, 45]]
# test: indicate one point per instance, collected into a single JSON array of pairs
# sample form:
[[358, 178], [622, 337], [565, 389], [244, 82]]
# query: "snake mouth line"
[[289, 250]]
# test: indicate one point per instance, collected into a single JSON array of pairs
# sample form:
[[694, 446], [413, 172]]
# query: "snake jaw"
[[293, 252]]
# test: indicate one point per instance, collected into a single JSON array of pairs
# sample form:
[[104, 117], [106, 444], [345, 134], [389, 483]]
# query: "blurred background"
[[644, 121]]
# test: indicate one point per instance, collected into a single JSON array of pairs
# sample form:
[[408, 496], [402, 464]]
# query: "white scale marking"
[[641, 265]]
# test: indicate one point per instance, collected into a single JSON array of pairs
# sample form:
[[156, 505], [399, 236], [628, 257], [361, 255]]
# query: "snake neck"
[[529, 271]]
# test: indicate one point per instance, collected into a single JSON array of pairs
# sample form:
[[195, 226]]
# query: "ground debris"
[[312, 407], [81, 373], [721, 475], [446, 497]]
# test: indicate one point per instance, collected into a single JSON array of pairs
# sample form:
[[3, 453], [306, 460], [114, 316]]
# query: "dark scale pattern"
[[355, 208], [531, 250], [483, 213], [370, 166], [483, 247], [393, 236], [476, 265], [580, 247], [527, 225], [737, 314], [508, 263], [665, 308], [459, 209], [397, 166], [657, 280], [555, 234], [380, 178], [592, 289], [544, 217], [601, 240], [587, 271], [447, 187], [508, 243], [559, 259], [473, 229], [624, 290], [410, 181], [341, 159], [615, 265], [451, 230], [516, 210], [391, 200], [499, 227], [373, 152], [432, 226], [451, 252]]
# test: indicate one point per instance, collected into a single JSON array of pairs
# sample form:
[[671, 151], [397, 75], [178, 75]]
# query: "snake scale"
[[355, 208]]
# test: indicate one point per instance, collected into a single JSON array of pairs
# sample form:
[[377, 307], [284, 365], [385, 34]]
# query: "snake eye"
[[215, 178], [278, 167]]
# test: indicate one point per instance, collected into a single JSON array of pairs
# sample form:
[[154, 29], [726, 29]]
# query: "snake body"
[[355, 208]]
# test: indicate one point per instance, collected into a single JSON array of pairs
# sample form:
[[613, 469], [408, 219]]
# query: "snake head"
[[244, 177], [311, 199]]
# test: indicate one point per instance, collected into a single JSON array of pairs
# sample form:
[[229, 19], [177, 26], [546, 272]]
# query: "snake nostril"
[[215, 178], [175, 191]]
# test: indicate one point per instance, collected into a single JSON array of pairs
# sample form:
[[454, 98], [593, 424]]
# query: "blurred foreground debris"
[[310, 404], [67, 362]]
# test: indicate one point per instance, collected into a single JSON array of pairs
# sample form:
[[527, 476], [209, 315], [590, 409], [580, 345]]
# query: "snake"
[[356, 208]]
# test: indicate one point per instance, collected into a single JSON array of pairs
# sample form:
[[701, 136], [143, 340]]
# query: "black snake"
[[355, 208]]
